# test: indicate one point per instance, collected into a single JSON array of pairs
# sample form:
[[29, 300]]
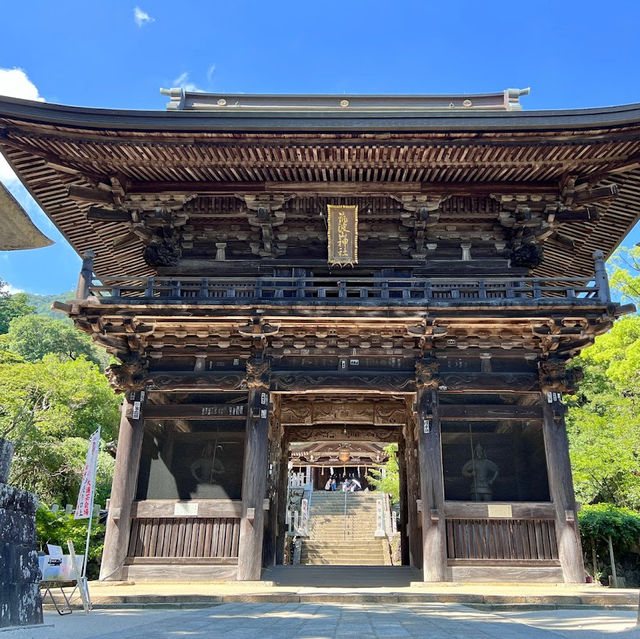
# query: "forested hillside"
[[42, 303]]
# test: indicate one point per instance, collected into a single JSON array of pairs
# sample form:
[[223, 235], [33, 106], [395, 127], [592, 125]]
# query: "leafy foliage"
[[599, 521], [55, 405], [12, 306], [389, 481], [52, 397], [33, 336], [603, 421], [626, 274], [57, 528]]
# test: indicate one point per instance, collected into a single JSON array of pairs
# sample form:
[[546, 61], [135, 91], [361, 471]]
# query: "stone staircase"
[[332, 540]]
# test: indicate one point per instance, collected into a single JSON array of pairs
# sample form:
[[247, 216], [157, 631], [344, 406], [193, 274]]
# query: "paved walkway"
[[320, 621]]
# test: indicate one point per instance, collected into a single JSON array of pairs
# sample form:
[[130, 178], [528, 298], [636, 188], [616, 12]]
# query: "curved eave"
[[247, 119], [37, 133], [18, 231]]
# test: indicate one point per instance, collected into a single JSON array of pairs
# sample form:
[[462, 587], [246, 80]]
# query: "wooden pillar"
[[602, 279], [404, 506], [86, 275], [254, 473], [123, 488], [554, 380], [283, 481], [273, 487], [414, 535], [561, 488], [434, 558]]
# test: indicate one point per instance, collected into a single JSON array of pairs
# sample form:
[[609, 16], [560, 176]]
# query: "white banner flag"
[[87, 487]]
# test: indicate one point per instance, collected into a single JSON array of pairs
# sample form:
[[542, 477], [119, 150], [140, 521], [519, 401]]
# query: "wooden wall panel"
[[502, 539], [179, 537]]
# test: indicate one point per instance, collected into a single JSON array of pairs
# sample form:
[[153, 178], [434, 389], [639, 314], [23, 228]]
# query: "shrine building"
[[295, 279]]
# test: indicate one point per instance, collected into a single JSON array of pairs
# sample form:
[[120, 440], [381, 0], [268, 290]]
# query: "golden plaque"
[[342, 235]]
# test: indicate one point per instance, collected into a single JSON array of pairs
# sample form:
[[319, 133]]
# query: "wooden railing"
[[184, 537], [502, 539], [348, 290]]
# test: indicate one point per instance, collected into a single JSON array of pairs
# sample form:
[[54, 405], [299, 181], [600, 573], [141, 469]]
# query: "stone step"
[[340, 532], [320, 512], [357, 533], [346, 544], [315, 561], [335, 555], [340, 558], [340, 537], [343, 559], [340, 507], [368, 554], [340, 525], [330, 549]]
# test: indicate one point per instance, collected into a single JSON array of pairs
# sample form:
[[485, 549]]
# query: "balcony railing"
[[344, 290], [369, 291]]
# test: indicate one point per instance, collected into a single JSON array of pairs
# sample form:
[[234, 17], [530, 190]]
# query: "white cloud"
[[12, 289], [141, 17], [212, 68], [14, 83], [182, 81]]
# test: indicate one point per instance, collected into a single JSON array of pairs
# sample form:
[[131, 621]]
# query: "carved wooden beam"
[[489, 382], [343, 188], [323, 433], [556, 377], [305, 381], [100, 214], [85, 194], [481, 412], [131, 374], [197, 381], [343, 412]]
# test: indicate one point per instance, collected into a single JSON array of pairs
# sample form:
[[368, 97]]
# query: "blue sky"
[[112, 53]]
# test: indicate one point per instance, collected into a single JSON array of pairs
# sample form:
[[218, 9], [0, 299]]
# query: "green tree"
[[54, 405], [34, 336], [625, 277], [12, 306], [603, 420], [389, 480]]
